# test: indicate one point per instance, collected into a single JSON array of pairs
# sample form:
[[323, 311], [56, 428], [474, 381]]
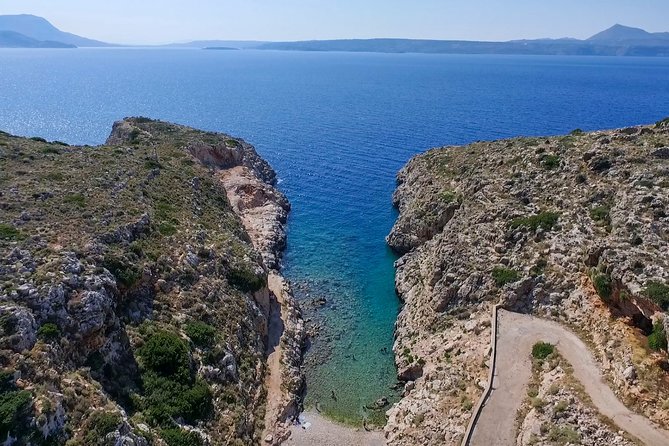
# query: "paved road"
[[516, 335]]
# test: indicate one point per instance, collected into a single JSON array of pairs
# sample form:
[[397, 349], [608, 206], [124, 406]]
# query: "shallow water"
[[336, 127]]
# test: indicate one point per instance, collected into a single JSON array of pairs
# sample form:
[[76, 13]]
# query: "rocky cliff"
[[572, 228], [134, 297]]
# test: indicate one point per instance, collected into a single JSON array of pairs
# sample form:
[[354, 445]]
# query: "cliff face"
[[571, 228], [134, 299]]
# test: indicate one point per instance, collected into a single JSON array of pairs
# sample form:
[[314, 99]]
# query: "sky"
[[164, 21]]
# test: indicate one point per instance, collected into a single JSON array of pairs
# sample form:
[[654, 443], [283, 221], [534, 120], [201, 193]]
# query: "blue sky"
[[154, 21]]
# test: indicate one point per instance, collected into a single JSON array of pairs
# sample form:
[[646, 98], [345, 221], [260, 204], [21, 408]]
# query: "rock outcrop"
[[571, 228], [134, 298]]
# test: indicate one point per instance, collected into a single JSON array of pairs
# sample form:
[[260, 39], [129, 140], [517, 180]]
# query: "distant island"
[[28, 31], [220, 48]]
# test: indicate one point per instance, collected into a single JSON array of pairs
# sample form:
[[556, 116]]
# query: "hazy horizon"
[[153, 22]]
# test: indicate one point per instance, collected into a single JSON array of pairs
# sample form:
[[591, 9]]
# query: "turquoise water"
[[336, 127]]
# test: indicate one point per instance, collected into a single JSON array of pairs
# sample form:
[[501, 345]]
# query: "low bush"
[[544, 220], [603, 286], [658, 338], [167, 229], [166, 354], [542, 350], [75, 199], [503, 276], [550, 162], [245, 280], [48, 332], [100, 424], [658, 292], [15, 407], [601, 214], [202, 335], [564, 435], [181, 437], [170, 387], [125, 273], [9, 233]]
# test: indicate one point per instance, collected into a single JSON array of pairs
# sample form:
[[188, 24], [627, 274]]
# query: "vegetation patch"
[[503, 276], [603, 286], [202, 335], [15, 407], [658, 292], [542, 350], [100, 424], [126, 274], [551, 162], [544, 220], [245, 280], [75, 199], [601, 214], [48, 332], [658, 338], [171, 390], [233, 143], [9, 233], [181, 437], [448, 197], [564, 435]]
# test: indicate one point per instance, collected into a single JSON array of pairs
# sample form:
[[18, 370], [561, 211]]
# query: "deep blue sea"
[[336, 127]]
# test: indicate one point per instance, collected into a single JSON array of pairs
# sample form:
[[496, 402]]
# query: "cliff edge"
[[135, 294], [573, 229]]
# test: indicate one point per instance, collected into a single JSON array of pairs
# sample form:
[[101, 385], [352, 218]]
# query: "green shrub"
[[125, 273], [9, 233], [503, 276], [541, 350], [166, 354], [38, 139], [167, 229], [233, 143], [15, 408], [180, 437], [576, 132], [601, 214], [50, 150], [48, 332], [658, 338], [564, 435], [100, 424], [448, 197], [603, 286], [658, 292], [75, 199], [167, 399], [551, 162], [245, 280], [544, 220], [202, 335]]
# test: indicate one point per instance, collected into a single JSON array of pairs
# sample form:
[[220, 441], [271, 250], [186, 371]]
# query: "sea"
[[336, 127]]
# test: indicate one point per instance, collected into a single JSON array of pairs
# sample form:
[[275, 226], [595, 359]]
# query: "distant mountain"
[[616, 41], [622, 34], [11, 39], [238, 44], [40, 29]]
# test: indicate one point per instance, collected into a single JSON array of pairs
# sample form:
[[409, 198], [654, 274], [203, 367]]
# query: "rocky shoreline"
[[571, 228]]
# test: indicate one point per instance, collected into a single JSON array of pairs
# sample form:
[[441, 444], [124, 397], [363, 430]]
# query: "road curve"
[[516, 334]]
